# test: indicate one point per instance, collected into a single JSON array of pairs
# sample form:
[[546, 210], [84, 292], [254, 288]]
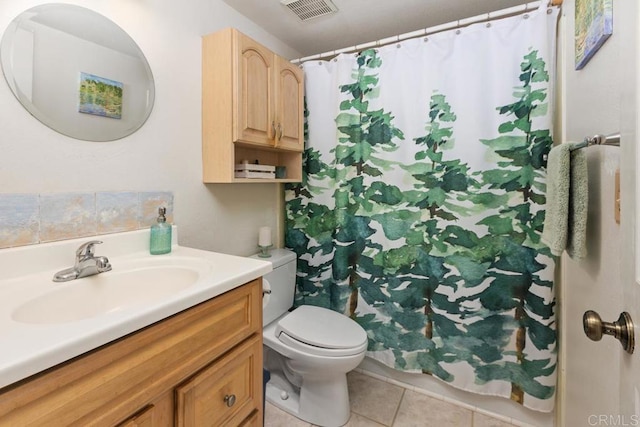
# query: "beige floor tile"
[[276, 417], [418, 410], [481, 420], [360, 421], [372, 398]]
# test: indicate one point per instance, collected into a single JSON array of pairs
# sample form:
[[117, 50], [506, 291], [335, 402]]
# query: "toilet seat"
[[322, 332]]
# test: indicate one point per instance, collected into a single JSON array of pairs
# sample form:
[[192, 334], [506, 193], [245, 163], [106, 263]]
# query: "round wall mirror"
[[77, 72]]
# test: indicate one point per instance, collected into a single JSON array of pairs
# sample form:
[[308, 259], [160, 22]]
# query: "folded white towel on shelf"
[[565, 225]]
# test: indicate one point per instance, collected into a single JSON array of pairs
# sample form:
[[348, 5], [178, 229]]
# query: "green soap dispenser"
[[160, 240]]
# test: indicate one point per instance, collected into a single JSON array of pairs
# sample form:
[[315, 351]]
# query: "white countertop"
[[29, 348]]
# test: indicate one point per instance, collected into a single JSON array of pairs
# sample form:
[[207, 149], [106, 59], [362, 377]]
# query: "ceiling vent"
[[309, 9]]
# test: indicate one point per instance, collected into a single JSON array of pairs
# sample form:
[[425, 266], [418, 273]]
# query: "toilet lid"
[[322, 328]]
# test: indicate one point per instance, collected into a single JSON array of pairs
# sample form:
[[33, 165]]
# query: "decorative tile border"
[[27, 219], [67, 216], [149, 203], [117, 212], [19, 219]]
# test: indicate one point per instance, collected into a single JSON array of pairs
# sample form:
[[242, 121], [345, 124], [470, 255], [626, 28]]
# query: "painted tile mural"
[[117, 212], [67, 216], [149, 204], [19, 219], [27, 219]]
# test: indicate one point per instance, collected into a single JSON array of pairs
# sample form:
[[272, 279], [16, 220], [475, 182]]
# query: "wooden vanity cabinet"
[[252, 108], [200, 367]]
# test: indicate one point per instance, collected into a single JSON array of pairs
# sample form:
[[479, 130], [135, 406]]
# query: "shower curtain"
[[422, 203]]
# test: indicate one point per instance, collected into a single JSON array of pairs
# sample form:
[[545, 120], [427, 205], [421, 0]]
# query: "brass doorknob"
[[622, 329]]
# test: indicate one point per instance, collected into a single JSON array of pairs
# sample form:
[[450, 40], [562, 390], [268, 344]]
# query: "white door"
[[599, 381]]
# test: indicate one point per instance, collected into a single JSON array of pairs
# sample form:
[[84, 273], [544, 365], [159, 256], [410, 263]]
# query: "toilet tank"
[[281, 282]]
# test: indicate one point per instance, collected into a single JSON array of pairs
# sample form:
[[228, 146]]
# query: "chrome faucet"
[[86, 264]]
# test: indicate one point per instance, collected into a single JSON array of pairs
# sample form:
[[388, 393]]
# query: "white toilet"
[[308, 350]]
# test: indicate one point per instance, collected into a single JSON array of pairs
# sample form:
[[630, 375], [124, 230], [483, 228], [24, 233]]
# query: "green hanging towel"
[[565, 225]]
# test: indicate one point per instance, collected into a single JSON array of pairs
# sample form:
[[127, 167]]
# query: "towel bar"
[[613, 139]]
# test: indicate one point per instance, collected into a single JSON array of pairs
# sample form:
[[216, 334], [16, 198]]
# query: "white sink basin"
[[101, 294], [108, 292], [44, 323]]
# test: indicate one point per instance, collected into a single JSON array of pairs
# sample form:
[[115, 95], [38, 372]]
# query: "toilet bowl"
[[308, 350]]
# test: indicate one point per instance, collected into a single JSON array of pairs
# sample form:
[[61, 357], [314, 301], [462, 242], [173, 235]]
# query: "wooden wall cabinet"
[[252, 108], [181, 371]]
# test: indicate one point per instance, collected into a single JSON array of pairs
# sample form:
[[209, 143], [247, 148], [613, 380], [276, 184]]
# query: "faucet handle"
[[103, 264], [86, 249]]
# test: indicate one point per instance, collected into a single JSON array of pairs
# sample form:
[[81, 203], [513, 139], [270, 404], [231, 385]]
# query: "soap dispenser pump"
[[160, 240]]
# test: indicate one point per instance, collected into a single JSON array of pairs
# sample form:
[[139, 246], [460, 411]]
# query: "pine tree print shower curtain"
[[422, 204]]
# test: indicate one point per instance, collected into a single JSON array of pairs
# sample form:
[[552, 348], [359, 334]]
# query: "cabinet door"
[[255, 117], [226, 392], [289, 90]]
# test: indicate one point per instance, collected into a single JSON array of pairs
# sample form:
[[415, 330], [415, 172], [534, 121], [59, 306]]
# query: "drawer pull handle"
[[230, 400]]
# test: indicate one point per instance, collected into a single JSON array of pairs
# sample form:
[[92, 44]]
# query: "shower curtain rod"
[[511, 11]]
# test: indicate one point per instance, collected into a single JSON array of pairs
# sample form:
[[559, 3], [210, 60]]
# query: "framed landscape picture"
[[594, 25], [100, 96]]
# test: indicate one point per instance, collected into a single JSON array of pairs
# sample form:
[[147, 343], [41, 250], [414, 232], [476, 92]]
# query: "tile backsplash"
[[19, 219], [27, 219]]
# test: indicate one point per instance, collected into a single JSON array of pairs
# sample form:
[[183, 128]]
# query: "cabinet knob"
[[230, 400]]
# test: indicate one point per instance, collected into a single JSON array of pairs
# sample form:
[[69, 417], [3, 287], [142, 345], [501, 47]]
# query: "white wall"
[[165, 154]]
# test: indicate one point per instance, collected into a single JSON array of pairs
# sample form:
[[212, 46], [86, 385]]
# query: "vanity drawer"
[[224, 393], [144, 418]]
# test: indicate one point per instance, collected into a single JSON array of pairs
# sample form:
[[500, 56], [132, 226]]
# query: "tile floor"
[[375, 403]]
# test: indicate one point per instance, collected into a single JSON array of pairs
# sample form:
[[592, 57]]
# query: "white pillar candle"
[[264, 236]]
